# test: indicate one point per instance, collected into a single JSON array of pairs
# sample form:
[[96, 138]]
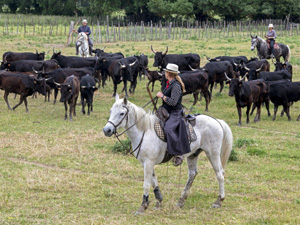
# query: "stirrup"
[[177, 160]]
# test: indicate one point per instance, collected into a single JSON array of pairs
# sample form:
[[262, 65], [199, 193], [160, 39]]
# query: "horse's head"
[[81, 38], [118, 116], [254, 41]]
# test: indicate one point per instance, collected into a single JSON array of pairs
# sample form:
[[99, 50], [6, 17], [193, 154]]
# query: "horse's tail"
[[289, 55], [227, 143]]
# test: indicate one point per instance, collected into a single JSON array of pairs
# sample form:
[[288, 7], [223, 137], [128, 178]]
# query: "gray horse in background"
[[263, 51]]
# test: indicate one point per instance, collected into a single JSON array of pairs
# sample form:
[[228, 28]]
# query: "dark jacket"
[[84, 29], [173, 95]]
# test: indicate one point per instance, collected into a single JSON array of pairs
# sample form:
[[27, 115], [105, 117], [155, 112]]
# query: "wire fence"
[[117, 29]]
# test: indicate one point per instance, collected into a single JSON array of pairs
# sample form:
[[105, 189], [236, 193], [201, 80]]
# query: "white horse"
[[214, 137], [83, 44]]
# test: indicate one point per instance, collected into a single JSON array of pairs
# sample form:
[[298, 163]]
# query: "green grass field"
[[57, 172]]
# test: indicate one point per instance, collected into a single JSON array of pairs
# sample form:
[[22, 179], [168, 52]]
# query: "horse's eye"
[[121, 114]]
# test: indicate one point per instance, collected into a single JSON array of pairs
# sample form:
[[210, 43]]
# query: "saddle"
[[276, 46], [163, 115]]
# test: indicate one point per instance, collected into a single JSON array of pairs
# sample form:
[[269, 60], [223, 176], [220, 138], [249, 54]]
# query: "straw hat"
[[173, 68], [84, 21], [270, 25]]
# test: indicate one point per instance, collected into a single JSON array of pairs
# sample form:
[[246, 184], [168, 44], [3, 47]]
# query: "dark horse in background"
[[264, 53]]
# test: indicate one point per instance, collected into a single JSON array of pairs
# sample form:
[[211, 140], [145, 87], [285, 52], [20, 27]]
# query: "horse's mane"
[[261, 39], [145, 120]]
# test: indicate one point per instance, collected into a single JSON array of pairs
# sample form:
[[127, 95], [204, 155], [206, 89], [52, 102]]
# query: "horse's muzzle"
[[108, 130], [252, 48]]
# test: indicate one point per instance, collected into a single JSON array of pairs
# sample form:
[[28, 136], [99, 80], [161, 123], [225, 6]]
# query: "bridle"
[[138, 148]]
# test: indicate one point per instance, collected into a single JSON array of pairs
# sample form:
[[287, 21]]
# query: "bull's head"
[[55, 55], [39, 85], [158, 57], [234, 84]]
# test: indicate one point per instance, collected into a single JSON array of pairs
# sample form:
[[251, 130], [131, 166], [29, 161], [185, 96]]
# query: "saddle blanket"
[[160, 132]]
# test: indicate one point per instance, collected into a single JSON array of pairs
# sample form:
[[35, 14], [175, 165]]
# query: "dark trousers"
[[176, 135], [272, 42]]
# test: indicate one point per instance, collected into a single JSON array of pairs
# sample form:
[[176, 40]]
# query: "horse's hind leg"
[[156, 191], [215, 161], [192, 165]]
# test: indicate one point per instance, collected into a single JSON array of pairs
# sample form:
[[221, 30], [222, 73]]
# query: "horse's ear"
[[117, 97], [251, 36], [256, 36], [125, 101]]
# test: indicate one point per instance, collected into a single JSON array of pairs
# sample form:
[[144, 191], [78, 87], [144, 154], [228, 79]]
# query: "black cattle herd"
[[26, 73]]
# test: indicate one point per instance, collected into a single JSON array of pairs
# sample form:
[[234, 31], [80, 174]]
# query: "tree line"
[[155, 10]]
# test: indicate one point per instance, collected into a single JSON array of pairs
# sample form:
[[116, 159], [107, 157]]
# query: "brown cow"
[[21, 84], [248, 93]]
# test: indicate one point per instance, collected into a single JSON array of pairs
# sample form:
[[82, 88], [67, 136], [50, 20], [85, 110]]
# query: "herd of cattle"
[[26, 73]]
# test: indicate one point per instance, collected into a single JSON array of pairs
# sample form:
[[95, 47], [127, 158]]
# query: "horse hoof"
[[180, 203], [140, 211], [158, 205], [239, 124], [215, 205]]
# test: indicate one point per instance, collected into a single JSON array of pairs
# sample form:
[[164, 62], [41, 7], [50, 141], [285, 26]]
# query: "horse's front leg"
[[156, 191], [148, 175], [192, 165]]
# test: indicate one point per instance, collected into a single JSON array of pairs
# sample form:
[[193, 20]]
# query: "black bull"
[[31, 65], [194, 82], [184, 61], [21, 84]]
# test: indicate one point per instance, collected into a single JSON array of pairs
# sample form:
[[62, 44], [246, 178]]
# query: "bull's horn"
[[208, 58], [122, 65], [54, 50], [235, 64], [218, 60], [153, 50], [57, 84], [131, 64], [243, 77], [83, 87], [160, 74], [36, 51], [227, 77], [43, 69], [47, 52], [260, 68], [246, 68], [34, 70], [192, 68], [103, 48], [48, 78], [69, 85], [165, 51]]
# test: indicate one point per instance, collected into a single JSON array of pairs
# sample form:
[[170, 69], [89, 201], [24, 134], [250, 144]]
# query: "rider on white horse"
[[175, 128], [87, 30]]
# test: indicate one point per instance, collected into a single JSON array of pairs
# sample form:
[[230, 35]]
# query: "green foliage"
[[119, 148], [233, 156], [162, 9], [243, 142], [255, 151]]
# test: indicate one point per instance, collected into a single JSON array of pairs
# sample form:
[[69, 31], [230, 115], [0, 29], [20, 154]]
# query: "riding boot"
[[90, 50], [76, 50]]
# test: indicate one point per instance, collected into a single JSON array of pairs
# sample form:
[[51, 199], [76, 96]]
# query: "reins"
[[118, 135]]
